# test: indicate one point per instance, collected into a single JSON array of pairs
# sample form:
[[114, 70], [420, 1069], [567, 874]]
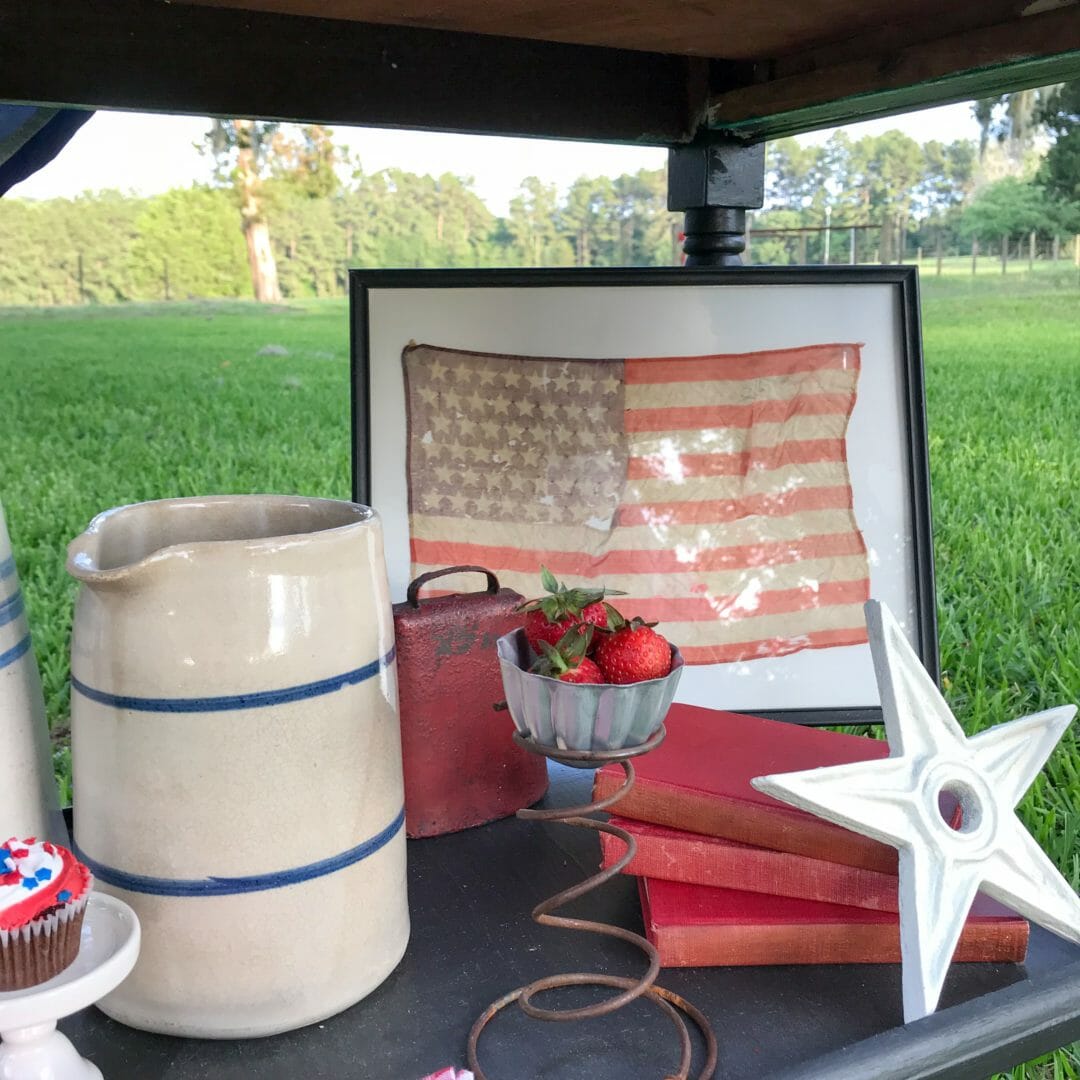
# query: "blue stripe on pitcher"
[[15, 652], [257, 699], [225, 886], [7, 567], [11, 608]]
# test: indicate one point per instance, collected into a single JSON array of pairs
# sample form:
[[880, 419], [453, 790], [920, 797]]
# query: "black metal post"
[[714, 185]]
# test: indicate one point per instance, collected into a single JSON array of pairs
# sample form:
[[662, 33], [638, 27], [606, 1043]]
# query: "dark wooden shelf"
[[660, 72], [472, 940]]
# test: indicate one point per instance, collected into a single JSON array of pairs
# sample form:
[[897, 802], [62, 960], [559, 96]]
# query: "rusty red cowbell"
[[461, 765]]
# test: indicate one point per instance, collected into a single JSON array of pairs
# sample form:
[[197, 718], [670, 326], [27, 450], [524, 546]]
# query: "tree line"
[[189, 242], [285, 212], [1021, 178]]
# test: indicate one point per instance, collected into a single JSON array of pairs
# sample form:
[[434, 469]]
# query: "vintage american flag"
[[712, 490]]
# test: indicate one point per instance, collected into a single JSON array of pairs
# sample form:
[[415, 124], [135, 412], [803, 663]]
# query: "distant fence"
[[852, 243], [836, 245], [862, 243]]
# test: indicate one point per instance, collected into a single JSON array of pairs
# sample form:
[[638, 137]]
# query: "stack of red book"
[[730, 876]]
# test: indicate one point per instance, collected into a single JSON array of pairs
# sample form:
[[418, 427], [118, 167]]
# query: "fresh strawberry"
[[585, 672], [566, 660], [538, 627], [633, 652], [548, 618], [596, 615]]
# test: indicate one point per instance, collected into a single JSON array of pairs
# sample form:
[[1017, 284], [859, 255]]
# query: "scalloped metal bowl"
[[574, 716]]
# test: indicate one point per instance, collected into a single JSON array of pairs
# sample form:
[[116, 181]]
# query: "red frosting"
[[73, 878]]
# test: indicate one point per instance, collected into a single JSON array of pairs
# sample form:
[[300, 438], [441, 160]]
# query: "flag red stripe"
[[741, 365], [716, 511], [661, 561], [765, 411], [771, 647], [794, 452], [728, 609]]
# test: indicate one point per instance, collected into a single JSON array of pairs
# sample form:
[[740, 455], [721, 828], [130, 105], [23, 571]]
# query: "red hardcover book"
[[699, 780], [675, 855], [699, 926]]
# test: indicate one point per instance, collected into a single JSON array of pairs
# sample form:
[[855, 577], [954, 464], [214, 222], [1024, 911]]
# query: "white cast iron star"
[[895, 800]]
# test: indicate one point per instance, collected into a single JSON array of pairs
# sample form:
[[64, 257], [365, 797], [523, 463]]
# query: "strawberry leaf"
[[574, 644], [551, 663], [549, 651], [552, 607], [580, 599], [562, 601], [547, 579], [614, 619]]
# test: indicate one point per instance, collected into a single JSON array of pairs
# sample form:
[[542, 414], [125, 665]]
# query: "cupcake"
[[43, 894]]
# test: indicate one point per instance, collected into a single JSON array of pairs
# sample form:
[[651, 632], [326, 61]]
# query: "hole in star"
[[959, 807]]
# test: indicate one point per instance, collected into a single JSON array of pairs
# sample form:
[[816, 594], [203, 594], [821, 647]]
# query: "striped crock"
[[236, 756], [28, 802]]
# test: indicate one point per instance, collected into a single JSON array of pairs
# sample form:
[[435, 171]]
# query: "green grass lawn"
[[105, 406], [108, 406], [1003, 389]]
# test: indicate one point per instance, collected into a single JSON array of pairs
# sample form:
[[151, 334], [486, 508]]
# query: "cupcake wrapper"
[[41, 949]]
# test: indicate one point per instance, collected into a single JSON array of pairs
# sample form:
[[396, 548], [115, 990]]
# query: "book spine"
[[814, 943], [778, 828], [701, 862]]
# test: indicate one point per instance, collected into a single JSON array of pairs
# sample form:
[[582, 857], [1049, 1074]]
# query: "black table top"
[[472, 940]]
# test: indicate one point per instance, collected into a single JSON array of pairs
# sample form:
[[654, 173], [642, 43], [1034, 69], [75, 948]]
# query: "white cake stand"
[[30, 1046]]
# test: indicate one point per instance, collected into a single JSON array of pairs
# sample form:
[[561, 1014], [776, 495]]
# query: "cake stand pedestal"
[[30, 1046]]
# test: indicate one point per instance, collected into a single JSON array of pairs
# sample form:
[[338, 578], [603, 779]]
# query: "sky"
[[148, 153]]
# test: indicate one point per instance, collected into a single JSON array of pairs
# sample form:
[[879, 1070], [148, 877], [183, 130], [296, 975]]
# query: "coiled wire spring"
[[645, 987]]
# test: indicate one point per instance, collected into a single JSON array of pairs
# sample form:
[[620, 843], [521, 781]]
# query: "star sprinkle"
[[896, 800]]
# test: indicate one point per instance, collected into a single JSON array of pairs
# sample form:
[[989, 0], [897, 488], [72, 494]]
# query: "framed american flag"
[[742, 453]]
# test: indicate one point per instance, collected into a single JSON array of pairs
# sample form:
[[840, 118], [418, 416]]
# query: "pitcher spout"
[[119, 543], [89, 559], [84, 554]]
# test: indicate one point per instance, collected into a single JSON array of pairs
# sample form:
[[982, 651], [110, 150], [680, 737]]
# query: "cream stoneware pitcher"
[[236, 757], [28, 802]]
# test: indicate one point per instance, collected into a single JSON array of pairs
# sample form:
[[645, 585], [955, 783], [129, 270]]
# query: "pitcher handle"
[[412, 595]]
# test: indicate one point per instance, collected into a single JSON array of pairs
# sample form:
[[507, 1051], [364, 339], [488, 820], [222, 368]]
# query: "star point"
[[897, 800]]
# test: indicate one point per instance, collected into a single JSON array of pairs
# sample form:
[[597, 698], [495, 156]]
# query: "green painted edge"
[[867, 105]]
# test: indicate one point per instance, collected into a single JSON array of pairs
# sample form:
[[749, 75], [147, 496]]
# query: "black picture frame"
[[903, 284]]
